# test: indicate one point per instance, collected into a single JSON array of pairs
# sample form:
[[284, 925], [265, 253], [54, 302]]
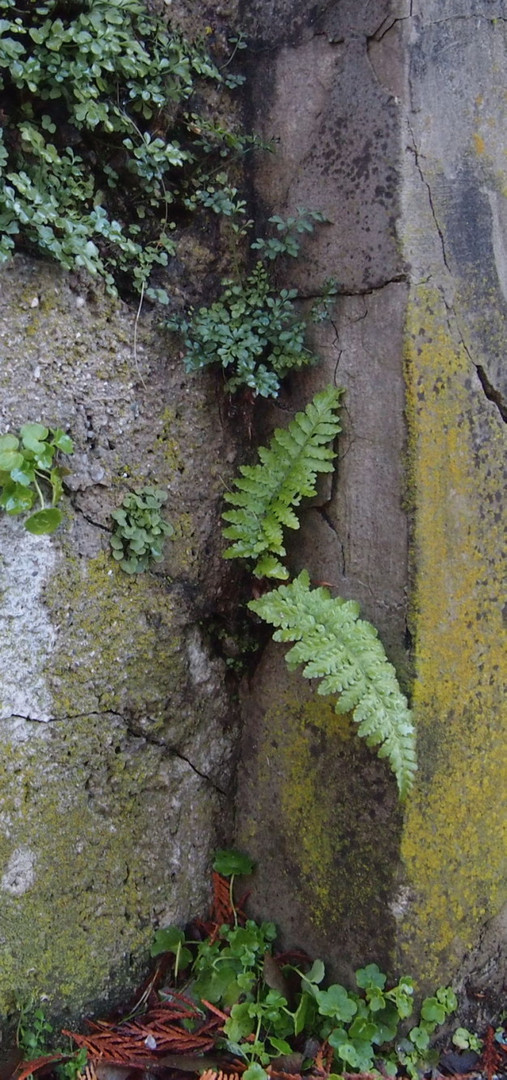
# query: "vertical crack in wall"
[[417, 159], [491, 393]]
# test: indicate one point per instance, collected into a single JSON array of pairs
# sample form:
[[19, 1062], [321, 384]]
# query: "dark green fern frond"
[[266, 493], [335, 645]]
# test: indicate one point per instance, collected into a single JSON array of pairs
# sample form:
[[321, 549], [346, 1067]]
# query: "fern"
[[345, 652], [267, 492]]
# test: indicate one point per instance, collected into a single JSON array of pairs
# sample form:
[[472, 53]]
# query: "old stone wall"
[[119, 731], [116, 736], [388, 117]]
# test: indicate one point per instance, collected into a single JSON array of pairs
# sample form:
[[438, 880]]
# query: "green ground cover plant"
[[223, 1002], [35, 1038], [274, 1007]]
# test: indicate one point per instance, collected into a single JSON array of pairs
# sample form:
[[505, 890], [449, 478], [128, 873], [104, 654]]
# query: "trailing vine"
[[103, 148]]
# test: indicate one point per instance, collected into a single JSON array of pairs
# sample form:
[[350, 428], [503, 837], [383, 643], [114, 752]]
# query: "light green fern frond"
[[266, 493], [335, 645]]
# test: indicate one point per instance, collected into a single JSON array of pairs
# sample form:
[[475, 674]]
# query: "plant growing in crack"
[[330, 640], [138, 535], [30, 472], [253, 330]]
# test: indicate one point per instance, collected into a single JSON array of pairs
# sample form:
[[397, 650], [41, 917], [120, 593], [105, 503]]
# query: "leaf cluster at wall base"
[[224, 1002]]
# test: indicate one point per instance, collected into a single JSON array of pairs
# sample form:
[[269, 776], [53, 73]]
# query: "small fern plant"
[[265, 494], [335, 645], [331, 641]]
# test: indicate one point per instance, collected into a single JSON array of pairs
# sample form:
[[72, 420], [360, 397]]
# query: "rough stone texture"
[[116, 737], [328, 855], [389, 117], [454, 235]]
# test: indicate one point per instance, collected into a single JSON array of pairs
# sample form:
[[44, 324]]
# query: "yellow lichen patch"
[[166, 441], [454, 842], [307, 815], [480, 145], [341, 844], [69, 938], [120, 641]]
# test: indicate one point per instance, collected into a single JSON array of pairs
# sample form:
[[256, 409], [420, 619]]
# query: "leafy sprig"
[[139, 532], [266, 494], [253, 330], [344, 651], [30, 472]]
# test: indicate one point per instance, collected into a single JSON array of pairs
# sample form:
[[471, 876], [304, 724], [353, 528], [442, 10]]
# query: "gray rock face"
[[388, 116], [115, 735]]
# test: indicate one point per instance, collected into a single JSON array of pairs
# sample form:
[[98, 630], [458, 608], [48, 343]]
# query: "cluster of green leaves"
[[273, 1008], [265, 494], [35, 1036], [469, 1040], [100, 149], [252, 331], [363, 1025], [29, 471], [335, 645], [138, 535]]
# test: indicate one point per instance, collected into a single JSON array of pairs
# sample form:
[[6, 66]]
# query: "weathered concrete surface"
[[389, 117], [316, 809], [454, 231], [116, 736]]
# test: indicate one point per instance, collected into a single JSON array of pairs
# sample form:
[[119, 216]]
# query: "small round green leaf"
[[316, 972], [433, 1011], [63, 441], [17, 499], [168, 939], [10, 459], [24, 475], [8, 442], [33, 435], [255, 1072], [370, 976], [44, 521], [232, 862], [336, 1002]]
